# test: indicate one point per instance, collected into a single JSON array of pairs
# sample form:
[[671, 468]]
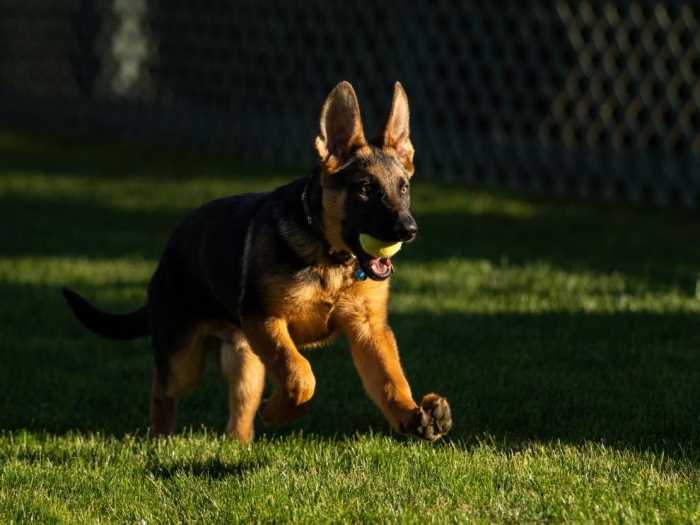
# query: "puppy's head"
[[365, 184]]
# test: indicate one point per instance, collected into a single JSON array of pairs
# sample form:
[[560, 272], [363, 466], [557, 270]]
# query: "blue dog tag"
[[361, 275]]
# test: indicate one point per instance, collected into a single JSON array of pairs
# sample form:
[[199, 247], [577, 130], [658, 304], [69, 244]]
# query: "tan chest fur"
[[313, 301]]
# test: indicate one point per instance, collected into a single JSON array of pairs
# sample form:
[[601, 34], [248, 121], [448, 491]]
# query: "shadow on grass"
[[659, 250], [626, 379], [80, 228], [91, 158], [212, 468]]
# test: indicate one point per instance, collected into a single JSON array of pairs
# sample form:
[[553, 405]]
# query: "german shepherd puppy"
[[261, 275]]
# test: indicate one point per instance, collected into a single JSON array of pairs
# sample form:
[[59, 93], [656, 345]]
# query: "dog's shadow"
[[210, 468]]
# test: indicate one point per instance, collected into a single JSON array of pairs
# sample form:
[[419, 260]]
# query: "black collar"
[[339, 257], [305, 204]]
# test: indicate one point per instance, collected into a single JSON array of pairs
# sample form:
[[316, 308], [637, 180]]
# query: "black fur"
[[111, 326], [200, 271]]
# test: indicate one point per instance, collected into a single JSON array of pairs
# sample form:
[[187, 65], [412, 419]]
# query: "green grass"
[[565, 334]]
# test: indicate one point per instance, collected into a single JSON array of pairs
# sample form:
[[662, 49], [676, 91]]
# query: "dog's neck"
[[340, 257]]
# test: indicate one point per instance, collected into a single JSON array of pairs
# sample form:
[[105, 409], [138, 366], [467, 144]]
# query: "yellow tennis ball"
[[377, 248]]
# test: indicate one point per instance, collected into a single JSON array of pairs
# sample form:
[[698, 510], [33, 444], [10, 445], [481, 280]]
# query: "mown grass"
[[566, 336]]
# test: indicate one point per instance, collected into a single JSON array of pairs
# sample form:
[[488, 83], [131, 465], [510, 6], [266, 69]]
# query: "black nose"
[[406, 228]]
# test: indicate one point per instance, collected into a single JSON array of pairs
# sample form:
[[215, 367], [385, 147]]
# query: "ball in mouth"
[[375, 256], [377, 248]]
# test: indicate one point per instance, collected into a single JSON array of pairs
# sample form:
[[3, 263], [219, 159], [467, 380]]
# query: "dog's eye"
[[404, 189], [367, 189]]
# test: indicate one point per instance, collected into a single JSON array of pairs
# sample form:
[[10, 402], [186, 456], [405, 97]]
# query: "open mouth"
[[376, 268]]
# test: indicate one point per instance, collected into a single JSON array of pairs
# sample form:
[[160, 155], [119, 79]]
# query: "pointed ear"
[[394, 135], [341, 127]]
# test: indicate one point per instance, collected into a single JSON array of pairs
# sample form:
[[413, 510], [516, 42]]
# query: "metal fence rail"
[[578, 97]]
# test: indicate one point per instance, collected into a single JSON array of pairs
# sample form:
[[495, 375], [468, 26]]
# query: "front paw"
[[274, 414], [288, 402], [431, 421], [279, 410]]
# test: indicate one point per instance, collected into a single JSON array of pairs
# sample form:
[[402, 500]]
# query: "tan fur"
[[187, 365], [333, 206], [163, 410], [309, 314], [362, 316], [245, 375]]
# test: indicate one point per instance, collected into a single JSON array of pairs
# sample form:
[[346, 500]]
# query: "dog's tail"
[[111, 326]]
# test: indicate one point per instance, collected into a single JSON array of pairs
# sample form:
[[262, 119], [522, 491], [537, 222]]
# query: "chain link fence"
[[587, 98]]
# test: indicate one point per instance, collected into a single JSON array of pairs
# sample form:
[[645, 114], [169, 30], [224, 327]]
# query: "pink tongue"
[[380, 266]]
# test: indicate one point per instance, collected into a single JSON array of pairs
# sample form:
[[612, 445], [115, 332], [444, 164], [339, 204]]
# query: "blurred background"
[[579, 98]]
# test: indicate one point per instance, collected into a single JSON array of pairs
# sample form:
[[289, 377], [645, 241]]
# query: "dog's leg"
[[376, 357], [245, 375], [163, 409], [294, 382], [178, 369]]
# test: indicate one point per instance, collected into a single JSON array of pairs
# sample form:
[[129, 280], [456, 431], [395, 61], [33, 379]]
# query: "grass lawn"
[[566, 336]]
